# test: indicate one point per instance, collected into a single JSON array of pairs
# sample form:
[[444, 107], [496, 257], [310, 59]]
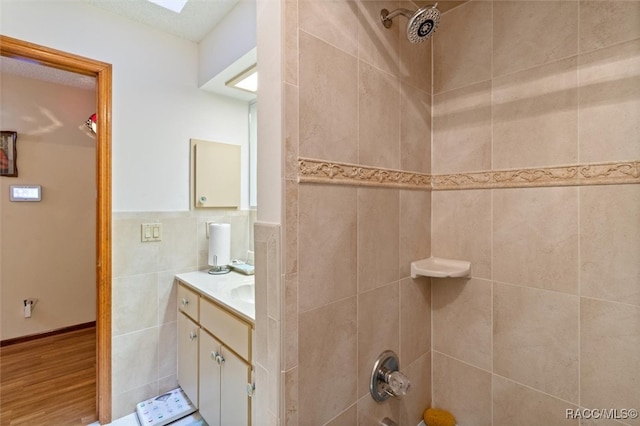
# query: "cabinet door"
[[210, 367], [188, 333], [236, 404]]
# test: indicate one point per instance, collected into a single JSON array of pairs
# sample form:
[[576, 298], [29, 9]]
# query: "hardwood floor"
[[49, 381]]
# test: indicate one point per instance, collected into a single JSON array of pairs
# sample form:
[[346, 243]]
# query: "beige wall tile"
[[378, 325], [371, 412], [273, 363], [124, 403], [415, 58], [130, 255], [462, 129], [609, 248], [290, 50], [167, 297], [347, 418], [327, 244], [463, 390], [261, 410], [535, 237], [610, 355], [462, 319], [291, 227], [328, 98], [165, 384], [415, 130], [261, 296], [415, 318], [377, 45], [378, 237], [291, 128], [535, 116], [328, 337], [609, 81], [535, 339], [134, 360], [415, 228], [529, 33], [290, 322], [462, 52], [178, 248], [274, 271], [167, 349], [291, 397], [131, 297], [461, 228], [418, 399], [514, 404], [603, 23], [600, 422], [378, 118], [333, 21]]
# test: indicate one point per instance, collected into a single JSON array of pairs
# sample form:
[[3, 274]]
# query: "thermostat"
[[25, 192]]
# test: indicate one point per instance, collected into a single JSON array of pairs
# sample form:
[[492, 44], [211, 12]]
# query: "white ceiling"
[[36, 71], [195, 21]]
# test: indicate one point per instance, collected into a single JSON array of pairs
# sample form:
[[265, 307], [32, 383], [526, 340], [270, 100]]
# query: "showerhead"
[[422, 23]]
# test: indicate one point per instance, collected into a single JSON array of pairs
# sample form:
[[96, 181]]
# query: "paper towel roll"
[[219, 244]]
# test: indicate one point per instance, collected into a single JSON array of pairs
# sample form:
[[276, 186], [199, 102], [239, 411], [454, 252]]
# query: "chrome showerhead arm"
[[386, 16]]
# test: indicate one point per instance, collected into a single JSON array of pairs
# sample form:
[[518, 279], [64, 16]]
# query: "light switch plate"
[[151, 232]]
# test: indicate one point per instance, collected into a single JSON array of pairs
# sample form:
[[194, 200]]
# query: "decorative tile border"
[[582, 174], [320, 171]]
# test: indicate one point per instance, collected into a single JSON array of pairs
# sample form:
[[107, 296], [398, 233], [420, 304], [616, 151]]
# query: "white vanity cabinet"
[[224, 381], [188, 341], [214, 357]]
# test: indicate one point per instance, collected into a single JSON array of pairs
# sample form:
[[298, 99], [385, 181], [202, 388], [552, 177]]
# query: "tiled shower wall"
[[355, 93], [550, 319], [144, 306]]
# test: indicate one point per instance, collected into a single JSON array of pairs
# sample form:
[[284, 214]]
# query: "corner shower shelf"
[[440, 268]]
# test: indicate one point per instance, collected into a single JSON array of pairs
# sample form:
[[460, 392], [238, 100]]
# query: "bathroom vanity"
[[216, 322]]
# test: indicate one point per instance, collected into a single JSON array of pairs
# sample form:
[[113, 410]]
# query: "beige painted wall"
[[48, 248]]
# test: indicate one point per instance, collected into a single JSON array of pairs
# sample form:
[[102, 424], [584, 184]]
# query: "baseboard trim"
[[62, 330]]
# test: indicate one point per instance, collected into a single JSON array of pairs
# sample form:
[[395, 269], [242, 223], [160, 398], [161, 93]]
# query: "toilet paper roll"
[[219, 244]]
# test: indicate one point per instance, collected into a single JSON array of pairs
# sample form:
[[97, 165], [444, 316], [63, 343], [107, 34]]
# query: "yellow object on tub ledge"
[[438, 417]]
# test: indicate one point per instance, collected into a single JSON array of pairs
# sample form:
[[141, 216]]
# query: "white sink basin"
[[244, 293]]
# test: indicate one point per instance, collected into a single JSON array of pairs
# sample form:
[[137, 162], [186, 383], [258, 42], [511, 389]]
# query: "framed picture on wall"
[[8, 154]]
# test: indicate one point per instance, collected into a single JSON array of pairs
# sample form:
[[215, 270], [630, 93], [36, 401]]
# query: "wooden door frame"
[[19, 49]]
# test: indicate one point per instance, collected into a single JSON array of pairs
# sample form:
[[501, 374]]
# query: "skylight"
[[173, 5]]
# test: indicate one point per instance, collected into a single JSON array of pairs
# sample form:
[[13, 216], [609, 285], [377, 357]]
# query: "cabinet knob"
[[193, 335], [217, 357], [251, 388], [185, 301]]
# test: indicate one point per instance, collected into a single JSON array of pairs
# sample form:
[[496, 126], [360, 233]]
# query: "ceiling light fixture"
[[173, 5], [247, 80], [91, 123]]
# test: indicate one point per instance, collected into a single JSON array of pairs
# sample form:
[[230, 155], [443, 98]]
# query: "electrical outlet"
[[151, 232]]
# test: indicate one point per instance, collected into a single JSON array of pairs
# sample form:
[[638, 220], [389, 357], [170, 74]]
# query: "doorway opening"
[[101, 71]]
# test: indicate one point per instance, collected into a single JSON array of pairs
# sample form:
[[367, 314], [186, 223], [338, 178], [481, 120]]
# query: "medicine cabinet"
[[215, 174]]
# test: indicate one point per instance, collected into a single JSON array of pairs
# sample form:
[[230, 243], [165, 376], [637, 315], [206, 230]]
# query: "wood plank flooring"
[[49, 381]]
